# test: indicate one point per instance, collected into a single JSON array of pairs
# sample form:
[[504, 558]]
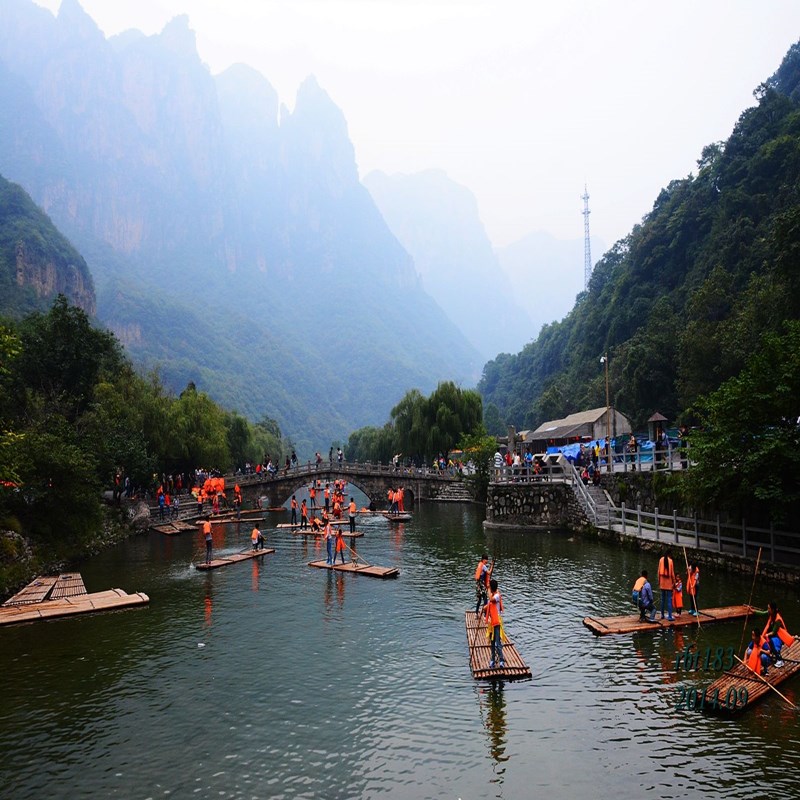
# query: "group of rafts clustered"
[[771, 657]]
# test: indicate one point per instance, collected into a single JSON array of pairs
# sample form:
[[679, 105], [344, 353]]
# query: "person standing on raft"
[[205, 529], [303, 515], [351, 513], [494, 623], [328, 536], [294, 509], [677, 595], [339, 544], [257, 538], [693, 587], [666, 582], [483, 574]]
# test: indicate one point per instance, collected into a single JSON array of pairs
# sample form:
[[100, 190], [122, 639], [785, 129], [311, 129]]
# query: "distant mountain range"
[[230, 241]]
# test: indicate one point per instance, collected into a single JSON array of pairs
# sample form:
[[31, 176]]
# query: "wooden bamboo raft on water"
[[402, 516], [171, 528], [308, 532], [234, 558], [297, 525], [361, 569], [630, 623], [480, 653], [63, 596], [726, 690]]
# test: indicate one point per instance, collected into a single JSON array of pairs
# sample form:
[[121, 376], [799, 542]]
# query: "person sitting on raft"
[[757, 655], [646, 601], [315, 523], [637, 588], [775, 634]]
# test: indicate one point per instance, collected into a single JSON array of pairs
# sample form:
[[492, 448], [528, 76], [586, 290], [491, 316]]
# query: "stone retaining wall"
[[545, 505]]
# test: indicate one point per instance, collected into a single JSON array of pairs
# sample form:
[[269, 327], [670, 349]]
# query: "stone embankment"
[[541, 505]]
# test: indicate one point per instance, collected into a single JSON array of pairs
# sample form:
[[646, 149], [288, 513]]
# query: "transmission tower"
[[587, 247]]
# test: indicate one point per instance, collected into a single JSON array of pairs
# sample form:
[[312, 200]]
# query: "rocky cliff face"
[[193, 196], [36, 261]]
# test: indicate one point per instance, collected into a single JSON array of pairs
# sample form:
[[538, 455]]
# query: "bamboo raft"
[[480, 653], [234, 558], [63, 595], [298, 525], [171, 528], [402, 516], [630, 623], [361, 569], [308, 532], [726, 688]]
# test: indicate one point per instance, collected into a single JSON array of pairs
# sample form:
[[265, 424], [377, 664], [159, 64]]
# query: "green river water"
[[275, 680]]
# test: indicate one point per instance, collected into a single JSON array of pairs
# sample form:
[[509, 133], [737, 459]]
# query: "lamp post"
[[604, 361]]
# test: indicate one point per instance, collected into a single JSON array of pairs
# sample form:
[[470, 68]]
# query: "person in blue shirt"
[[646, 601]]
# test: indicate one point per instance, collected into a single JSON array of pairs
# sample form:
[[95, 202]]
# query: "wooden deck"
[[726, 690], [63, 596], [361, 569], [630, 623], [480, 653]]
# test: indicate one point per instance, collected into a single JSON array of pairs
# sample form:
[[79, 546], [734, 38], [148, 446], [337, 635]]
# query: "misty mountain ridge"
[[547, 273], [231, 241], [438, 223]]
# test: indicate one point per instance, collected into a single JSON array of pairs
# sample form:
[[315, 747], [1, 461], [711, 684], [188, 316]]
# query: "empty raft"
[[235, 558], [630, 623], [361, 569], [739, 688], [403, 516], [63, 596], [480, 653]]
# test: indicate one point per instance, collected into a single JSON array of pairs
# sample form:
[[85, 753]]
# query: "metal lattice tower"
[[587, 247]]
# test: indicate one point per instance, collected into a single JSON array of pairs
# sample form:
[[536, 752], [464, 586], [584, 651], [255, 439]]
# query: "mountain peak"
[[178, 37], [77, 22]]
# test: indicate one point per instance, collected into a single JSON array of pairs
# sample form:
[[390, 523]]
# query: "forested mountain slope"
[[36, 261], [684, 300]]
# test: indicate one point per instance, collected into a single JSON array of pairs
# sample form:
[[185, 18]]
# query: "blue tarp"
[[570, 451]]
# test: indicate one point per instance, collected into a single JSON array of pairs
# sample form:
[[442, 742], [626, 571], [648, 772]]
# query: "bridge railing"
[[526, 474], [344, 468]]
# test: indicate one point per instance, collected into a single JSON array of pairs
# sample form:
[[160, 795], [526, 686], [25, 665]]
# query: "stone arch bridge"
[[374, 480]]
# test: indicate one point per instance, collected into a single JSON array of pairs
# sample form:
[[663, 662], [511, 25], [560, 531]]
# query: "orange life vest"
[[493, 609], [782, 633], [294, 503], [479, 570], [637, 587], [206, 529], [254, 535], [352, 508], [666, 573], [754, 659]]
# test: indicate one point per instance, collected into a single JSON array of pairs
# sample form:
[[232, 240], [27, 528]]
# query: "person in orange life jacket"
[[257, 538], [646, 602], [293, 504], [493, 609], [328, 536], [351, 513], [757, 654], [205, 530], [315, 523], [666, 580], [483, 574], [303, 514], [677, 595], [637, 588], [340, 546], [692, 587], [399, 496], [337, 510], [312, 494], [390, 499], [327, 496], [775, 634]]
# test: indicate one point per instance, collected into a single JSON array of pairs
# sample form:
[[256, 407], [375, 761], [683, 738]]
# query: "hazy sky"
[[520, 101]]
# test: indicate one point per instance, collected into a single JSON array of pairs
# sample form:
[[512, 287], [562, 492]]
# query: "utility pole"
[[604, 361], [587, 247]]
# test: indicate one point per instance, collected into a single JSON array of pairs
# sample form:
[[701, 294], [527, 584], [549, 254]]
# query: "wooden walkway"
[[630, 623], [726, 696], [361, 569], [63, 596], [480, 653], [234, 558]]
